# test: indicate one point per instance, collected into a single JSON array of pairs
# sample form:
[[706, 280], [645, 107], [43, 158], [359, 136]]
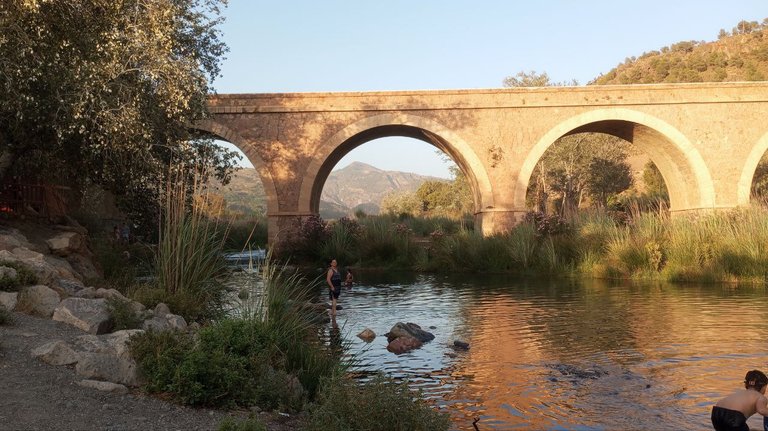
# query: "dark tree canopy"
[[104, 91]]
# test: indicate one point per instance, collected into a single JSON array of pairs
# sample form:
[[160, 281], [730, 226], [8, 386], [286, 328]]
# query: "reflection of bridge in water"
[[706, 139]]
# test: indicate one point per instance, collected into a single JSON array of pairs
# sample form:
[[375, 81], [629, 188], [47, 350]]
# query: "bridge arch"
[[688, 180], [744, 187], [226, 134], [427, 130]]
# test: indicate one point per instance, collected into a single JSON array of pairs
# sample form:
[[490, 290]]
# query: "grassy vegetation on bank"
[[713, 247]]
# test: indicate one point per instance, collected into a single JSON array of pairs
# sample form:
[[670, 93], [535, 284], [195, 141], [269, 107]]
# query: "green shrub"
[[123, 314], [380, 404], [24, 277], [271, 357], [6, 317], [250, 424]]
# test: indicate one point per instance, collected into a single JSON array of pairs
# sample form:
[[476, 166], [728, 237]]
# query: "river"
[[564, 354]]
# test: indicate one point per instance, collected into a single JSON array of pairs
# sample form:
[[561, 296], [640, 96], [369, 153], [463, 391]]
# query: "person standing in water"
[[731, 413], [333, 278]]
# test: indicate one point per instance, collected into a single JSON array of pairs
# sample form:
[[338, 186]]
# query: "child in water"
[[349, 279], [731, 413]]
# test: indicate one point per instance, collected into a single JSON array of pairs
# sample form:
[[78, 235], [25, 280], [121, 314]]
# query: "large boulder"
[[38, 300], [84, 266], [102, 366], [115, 344], [65, 243], [166, 323], [403, 344], [56, 353], [90, 315], [409, 330], [9, 300]]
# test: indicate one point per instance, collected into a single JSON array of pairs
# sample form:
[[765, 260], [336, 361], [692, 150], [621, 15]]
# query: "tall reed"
[[188, 261]]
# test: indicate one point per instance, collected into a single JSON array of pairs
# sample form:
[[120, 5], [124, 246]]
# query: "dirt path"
[[38, 396]]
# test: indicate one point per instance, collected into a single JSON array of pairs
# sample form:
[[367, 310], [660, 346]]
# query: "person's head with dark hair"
[[755, 380]]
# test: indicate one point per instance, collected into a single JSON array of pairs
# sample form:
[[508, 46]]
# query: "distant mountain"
[[358, 186], [362, 186]]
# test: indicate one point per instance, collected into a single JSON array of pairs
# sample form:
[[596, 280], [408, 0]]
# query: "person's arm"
[[328, 278], [762, 405]]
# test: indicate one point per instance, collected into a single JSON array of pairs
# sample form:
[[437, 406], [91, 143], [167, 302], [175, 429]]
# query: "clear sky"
[[368, 45]]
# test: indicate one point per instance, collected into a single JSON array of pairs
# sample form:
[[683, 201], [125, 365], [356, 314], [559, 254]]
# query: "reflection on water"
[[587, 355]]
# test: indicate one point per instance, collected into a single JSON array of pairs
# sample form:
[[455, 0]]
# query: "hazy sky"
[[367, 45]]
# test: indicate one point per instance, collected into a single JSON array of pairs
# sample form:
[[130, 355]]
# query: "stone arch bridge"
[[706, 139]]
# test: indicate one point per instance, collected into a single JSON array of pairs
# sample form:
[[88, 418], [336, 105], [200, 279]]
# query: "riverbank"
[[39, 396]]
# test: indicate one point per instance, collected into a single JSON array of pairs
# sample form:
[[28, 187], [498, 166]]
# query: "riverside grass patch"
[[380, 404]]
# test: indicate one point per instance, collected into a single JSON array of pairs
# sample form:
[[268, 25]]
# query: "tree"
[[104, 91], [607, 177], [534, 79], [655, 186]]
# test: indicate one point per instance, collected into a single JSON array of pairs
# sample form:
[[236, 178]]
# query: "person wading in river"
[[333, 277], [731, 413]]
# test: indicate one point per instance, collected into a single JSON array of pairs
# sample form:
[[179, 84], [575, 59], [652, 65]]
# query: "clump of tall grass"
[[189, 263]]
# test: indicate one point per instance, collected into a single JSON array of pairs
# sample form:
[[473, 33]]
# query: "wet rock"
[[460, 345], [403, 344], [367, 335], [409, 330]]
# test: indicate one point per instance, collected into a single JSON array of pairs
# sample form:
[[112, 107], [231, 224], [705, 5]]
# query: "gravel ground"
[[38, 396]]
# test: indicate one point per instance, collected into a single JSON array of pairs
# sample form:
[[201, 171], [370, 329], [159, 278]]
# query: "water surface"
[[563, 355]]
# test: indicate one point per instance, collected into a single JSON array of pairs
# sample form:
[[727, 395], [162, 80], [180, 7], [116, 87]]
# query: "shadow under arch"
[[385, 125], [744, 187], [687, 178], [226, 134]]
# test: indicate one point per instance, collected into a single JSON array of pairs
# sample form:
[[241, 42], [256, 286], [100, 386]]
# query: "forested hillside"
[[740, 54]]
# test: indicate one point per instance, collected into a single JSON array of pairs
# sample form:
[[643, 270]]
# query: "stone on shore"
[[90, 315], [56, 353], [38, 300], [101, 366], [9, 300], [114, 388]]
